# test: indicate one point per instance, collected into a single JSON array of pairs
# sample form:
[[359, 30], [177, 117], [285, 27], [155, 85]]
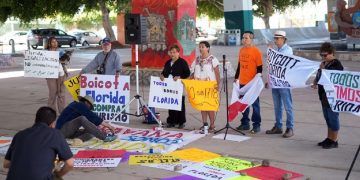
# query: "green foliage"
[[214, 9]]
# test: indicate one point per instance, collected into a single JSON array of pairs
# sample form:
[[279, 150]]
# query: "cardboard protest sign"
[[202, 95], [269, 173], [165, 94], [152, 159], [229, 163], [96, 162], [194, 154], [41, 64], [288, 71], [342, 90], [171, 166], [101, 153], [208, 172], [110, 93], [73, 86]]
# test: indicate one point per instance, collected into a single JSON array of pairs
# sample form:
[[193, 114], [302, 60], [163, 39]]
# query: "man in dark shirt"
[[32, 152], [79, 114]]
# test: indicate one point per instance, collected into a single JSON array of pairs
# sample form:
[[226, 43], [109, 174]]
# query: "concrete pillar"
[[238, 15]]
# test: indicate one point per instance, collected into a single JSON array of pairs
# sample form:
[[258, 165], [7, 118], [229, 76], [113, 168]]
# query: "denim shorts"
[[331, 118]]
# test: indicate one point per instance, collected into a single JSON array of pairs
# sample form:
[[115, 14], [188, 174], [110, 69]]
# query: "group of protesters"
[[47, 136]]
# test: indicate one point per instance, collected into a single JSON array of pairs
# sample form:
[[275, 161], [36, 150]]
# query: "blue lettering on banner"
[[165, 141], [160, 83], [110, 98], [165, 100]]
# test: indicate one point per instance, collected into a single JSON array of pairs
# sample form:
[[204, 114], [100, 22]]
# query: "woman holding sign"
[[206, 68], [56, 85], [176, 68], [327, 52]]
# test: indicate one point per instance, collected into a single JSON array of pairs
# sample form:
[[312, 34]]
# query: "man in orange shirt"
[[250, 63]]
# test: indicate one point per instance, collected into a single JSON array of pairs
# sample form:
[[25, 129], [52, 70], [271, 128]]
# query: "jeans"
[[72, 130], [282, 97], [331, 118], [255, 118]]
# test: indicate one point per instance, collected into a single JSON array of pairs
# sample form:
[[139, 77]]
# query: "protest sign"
[[194, 154], [288, 71], [110, 93], [270, 173], [171, 167], [41, 64], [208, 172], [5, 141], [342, 90], [243, 97], [202, 95], [96, 162], [73, 86], [165, 94], [101, 153], [153, 159], [229, 163]]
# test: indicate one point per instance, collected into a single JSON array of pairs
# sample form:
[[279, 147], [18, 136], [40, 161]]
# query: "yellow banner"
[[73, 86], [153, 159], [202, 95], [230, 164], [194, 154]]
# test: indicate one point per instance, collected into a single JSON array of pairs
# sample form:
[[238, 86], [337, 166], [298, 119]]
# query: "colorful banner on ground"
[[208, 172], [202, 95], [165, 94], [172, 166], [229, 163], [243, 97], [97, 162], [73, 86], [342, 90], [288, 71], [110, 93], [5, 141], [41, 64], [153, 159], [194, 154]]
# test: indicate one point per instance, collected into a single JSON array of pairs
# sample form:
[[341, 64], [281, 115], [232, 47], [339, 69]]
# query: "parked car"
[[14, 37], [86, 38], [36, 36]]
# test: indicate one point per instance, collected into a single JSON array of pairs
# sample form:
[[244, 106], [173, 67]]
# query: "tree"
[[214, 9]]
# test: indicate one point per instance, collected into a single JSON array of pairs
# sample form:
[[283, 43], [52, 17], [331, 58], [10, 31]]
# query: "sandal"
[[212, 129]]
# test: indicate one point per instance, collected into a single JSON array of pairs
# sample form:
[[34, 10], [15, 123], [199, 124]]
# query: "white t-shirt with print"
[[204, 69]]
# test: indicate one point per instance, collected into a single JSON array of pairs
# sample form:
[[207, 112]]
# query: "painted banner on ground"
[[111, 93], [247, 94], [96, 162], [165, 94], [194, 154], [208, 172], [101, 153], [342, 90], [202, 95], [41, 64], [229, 163], [171, 167], [288, 71], [153, 159], [73, 86], [142, 140]]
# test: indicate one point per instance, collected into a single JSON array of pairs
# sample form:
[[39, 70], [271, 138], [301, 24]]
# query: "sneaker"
[[169, 125], [288, 133], [243, 127], [323, 142], [255, 130], [110, 138], [330, 144], [274, 130], [181, 126]]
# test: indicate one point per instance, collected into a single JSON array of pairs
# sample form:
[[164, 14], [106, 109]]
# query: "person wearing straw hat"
[[79, 114]]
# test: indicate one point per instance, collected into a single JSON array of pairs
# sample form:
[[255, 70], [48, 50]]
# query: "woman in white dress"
[[206, 68]]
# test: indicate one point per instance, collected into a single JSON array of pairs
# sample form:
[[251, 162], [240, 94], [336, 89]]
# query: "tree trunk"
[[266, 20], [106, 21], [268, 12]]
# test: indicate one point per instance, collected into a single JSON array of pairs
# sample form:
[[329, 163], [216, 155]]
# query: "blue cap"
[[106, 40]]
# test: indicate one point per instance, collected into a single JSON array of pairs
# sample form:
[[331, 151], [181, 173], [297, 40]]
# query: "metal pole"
[[137, 75]]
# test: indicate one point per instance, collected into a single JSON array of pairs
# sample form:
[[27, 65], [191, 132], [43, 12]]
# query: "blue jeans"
[[331, 118], [255, 118], [282, 97]]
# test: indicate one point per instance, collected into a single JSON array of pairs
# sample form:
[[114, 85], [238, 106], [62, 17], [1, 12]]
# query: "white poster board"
[[41, 64]]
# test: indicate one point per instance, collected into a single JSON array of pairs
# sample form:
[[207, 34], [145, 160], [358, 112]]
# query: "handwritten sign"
[[342, 90], [152, 159], [101, 153], [97, 162], [73, 86], [208, 172], [171, 166], [41, 64], [110, 93], [288, 71], [165, 94], [202, 95], [229, 163], [194, 154]]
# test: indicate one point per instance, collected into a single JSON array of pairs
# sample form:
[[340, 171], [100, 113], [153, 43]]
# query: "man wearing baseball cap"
[[282, 96], [105, 62]]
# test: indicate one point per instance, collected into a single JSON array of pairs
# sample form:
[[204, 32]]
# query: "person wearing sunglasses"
[[282, 96], [327, 53]]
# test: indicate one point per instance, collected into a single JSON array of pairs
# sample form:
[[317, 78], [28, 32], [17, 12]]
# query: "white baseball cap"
[[280, 34]]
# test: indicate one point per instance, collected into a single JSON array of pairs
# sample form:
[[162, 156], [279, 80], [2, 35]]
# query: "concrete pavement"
[[21, 97]]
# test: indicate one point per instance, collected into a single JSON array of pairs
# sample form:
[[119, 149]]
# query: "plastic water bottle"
[[206, 128]]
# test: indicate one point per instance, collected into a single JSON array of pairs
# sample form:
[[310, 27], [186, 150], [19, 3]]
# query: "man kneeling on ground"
[[32, 152], [79, 114]]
